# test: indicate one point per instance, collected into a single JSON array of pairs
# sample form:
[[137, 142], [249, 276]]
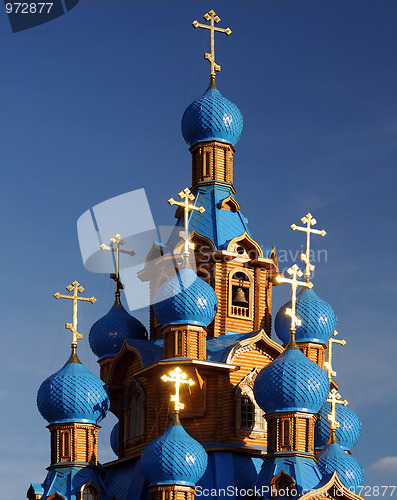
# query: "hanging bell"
[[239, 298]]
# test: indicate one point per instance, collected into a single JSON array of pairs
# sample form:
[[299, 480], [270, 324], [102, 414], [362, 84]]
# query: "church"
[[209, 402]]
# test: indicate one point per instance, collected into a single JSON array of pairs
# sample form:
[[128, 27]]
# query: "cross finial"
[[310, 221], [328, 363], [334, 399], [117, 242], [295, 272], [178, 377], [187, 196], [213, 19], [77, 288]]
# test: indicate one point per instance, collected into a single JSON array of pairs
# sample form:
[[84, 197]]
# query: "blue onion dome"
[[114, 439], [292, 382], [333, 458], [185, 299], [73, 394], [109, 332], [317, 316], [347, 433], [174, 458], [212, 118]]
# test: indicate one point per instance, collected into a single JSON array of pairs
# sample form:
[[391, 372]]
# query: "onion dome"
[[317, 316], [333, 458], [174, 458], [185, 299], [73, 394], [114, 439], [347, 433], [212, 118], [292, 382], [109, 332]]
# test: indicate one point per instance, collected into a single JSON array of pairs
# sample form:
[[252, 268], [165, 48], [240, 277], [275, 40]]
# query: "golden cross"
[[117, 242], [328, 363], [178, 377], [310, 221], [334, 398], [295, 272], [76, 287], [212, 18], [186, 195]]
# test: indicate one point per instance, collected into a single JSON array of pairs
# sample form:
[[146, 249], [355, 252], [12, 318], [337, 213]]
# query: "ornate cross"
[[334, 398], [328, 363], [178, 377], [76, 287], [310, 221], [117, 242], [212, 18], [295, 272], [186, 195]]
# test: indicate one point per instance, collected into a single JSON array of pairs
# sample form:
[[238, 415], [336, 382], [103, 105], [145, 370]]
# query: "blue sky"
[[91, 108]]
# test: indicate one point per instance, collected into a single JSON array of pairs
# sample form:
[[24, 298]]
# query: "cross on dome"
[[334, 399], [77, 288], [178, 377], [212, 18], [117, 242], [187, 196], [328, 363], [295, 272], [310, 221]]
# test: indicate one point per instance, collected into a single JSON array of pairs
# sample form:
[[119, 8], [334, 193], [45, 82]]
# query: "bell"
[[239, 298]]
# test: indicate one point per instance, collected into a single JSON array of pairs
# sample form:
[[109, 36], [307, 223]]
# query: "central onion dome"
[[185, 299], [174, 458], [318, 319], [212, 118], [347, 433], [73, 394], [334, 459], [109, 332], [292, 382]]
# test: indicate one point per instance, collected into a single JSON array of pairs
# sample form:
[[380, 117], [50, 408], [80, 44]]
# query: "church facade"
[[248, 415]]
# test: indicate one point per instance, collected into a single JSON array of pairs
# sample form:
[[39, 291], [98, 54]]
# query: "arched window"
[[65, 444], [89, 492], [179, 340], [134, 414], [285, 434], [250, 417], [240, 294], [281, 485]]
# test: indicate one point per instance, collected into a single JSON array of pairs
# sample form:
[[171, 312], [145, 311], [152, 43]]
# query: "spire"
[[77, 288], [117, 242], [177, 377], [310, 221], [187, 196], [213, 19], [295, 272], [328, 363]]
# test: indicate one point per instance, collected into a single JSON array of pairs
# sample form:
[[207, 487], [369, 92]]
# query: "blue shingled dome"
[[333, 458], [114, 439], [185, 299], [212, 118], [109, 332], [347, 433], [318, 319], [73, 394], [174, 458], [292, 382]]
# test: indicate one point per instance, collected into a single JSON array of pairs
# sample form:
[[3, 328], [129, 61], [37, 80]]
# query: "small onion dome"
[[73, 394], [212, 118], [185, 299], [333, 458], [292, 382], [114, 439], [109, 332], [347, 433], [318, 319], [174, 458]]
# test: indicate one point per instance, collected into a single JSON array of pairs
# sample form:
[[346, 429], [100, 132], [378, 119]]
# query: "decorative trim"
[[323, 492], [251, 341]]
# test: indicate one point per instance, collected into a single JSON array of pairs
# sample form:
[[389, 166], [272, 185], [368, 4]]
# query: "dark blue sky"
[[91, 108]]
